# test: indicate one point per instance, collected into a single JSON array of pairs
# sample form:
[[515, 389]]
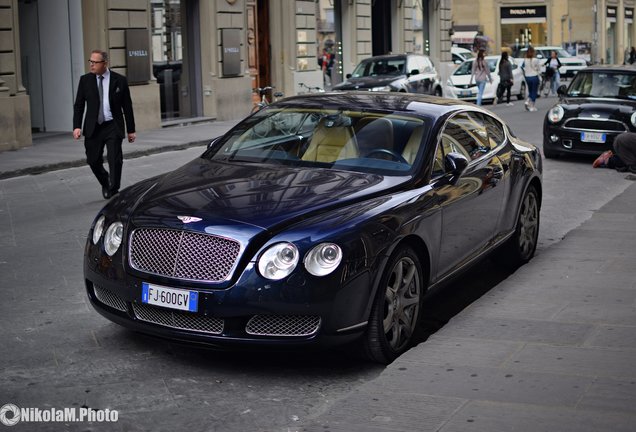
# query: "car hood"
[[595, 108], [368, 82], [206, 194]]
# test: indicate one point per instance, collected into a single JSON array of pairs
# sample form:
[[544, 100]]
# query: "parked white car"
[[461, 54], [570, 65], [459, 86]]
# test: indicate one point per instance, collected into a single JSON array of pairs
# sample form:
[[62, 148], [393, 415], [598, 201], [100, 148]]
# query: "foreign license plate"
[[596, 137], [169, 297], [465, 93]]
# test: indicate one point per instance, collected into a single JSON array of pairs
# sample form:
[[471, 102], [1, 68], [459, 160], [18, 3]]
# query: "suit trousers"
[[105, 135]]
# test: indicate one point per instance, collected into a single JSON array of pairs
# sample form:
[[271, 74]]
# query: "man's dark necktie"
[[100, 115]]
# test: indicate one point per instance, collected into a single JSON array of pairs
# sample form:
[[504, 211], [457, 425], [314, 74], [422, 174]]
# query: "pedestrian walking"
[[480, 72], [531, 69], [104, 97], [505, 79], [632, 56], [552, 66]]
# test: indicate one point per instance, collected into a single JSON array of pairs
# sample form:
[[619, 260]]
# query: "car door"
[[472, 203], [421, 82]]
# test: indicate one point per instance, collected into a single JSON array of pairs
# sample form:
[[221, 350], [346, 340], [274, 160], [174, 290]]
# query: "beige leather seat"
[[331, 142], [413, 145]]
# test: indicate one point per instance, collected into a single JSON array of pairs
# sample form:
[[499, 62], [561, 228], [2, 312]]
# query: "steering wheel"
[[394, 155]]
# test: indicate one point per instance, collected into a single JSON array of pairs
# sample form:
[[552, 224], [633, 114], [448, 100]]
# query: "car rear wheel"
[[520, 248], [396, 308]]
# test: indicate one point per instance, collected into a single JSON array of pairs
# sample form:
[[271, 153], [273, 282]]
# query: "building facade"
[[191, 60], [602, 31]]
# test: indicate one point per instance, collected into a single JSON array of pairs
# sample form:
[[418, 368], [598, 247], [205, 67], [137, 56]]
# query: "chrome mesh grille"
[[182, 254], [282, 325], [595, 125], [178, 320], [109, 299]]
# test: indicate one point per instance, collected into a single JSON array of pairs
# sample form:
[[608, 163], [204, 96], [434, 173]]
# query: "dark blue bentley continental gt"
[[320, 219]]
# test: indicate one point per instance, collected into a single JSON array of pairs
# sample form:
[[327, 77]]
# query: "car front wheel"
[[396, 308]]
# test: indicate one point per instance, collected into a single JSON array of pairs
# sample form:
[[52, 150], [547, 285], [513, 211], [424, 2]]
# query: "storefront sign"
[[137, 55], [231, 51], [523, 14]]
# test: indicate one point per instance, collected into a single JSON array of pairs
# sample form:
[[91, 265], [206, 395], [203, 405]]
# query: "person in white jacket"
[[531, 69], [480, 72]]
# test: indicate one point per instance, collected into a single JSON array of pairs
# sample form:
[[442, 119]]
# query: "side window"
[[496, 134], [466, 134], [438, 164]]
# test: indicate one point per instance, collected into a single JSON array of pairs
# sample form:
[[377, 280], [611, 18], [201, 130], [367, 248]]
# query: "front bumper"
[[299, 310], [569, 141]]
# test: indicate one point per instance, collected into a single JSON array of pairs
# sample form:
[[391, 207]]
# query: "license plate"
[[169, 297], [465, 93], [596, 137]]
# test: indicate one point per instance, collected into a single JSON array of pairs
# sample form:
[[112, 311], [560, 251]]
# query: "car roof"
[[377, 101], [610, 68]]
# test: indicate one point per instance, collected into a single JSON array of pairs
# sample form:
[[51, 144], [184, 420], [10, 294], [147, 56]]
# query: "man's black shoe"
[[106, 193]]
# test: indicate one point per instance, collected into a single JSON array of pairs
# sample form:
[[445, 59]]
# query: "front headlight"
[[383, 88], [323, 259], [556, 114], [278, 261], [98, 229], [633, 119], [113, 237]]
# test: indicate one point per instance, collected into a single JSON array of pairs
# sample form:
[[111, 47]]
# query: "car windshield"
[[466, 67], [386, 66], [619, 85], [384, 143]]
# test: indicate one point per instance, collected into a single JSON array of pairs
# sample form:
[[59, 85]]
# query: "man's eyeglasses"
[[96, 62]]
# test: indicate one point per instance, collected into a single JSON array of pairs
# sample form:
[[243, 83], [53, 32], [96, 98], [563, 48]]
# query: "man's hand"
[[77, 133], [131, 137]]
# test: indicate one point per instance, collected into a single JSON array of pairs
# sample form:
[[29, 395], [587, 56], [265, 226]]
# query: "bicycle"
[[546, 83], [262, 92], [311, 89]]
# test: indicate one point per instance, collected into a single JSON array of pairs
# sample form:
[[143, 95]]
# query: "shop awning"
[[463, 37]]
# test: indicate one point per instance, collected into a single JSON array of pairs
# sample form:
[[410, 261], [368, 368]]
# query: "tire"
[[438, 92], [520, 248], [396, 308], [522, 92]]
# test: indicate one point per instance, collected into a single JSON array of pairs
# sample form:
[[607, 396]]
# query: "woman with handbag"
[[505, 79]]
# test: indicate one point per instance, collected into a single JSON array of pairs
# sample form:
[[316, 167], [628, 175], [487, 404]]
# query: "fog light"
[[554, 138]]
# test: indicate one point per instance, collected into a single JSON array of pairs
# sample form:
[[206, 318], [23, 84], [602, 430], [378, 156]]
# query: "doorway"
[[258, 45], [381, 29]]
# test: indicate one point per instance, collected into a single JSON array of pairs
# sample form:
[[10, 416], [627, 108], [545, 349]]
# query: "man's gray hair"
[[104, 54]]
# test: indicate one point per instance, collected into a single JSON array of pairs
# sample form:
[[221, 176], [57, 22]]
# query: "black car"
[[599, 104], [321, 219], [411, 73]]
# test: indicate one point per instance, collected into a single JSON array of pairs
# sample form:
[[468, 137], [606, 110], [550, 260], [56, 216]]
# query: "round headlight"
[[98, 229], [112, 238], [633, 119], [323, 259], [556, 114], [278, 261]]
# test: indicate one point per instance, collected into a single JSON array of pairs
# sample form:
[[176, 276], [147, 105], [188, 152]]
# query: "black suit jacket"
[[120, 104]]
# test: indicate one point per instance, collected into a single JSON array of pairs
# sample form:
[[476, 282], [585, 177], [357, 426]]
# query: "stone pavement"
[[550, 348]]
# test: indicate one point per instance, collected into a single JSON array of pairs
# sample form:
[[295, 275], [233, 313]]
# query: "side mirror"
[[414, 72], [347, 76], [455, 164], [562, 90], [458, 61]]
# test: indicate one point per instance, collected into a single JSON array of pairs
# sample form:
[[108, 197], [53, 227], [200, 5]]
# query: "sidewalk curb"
[[40, 169]]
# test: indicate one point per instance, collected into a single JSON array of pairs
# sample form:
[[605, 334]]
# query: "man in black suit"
[[106, 97]]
